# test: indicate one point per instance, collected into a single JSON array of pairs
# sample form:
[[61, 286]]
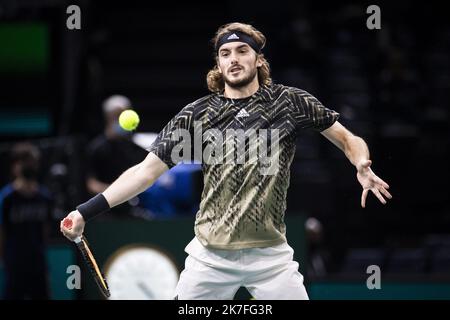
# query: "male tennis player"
[[239, 230]]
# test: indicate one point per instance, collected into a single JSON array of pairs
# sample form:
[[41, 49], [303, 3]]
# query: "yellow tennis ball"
[[129, 120]]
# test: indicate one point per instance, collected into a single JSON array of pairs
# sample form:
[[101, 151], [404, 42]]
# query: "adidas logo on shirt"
[[242, 114], [233, 36]]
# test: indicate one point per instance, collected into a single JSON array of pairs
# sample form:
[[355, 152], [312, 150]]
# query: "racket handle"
[[77, 240]]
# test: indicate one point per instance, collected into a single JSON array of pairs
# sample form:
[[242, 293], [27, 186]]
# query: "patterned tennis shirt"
[[246, 147]]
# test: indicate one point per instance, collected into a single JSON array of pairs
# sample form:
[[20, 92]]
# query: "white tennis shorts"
[[268, 273]]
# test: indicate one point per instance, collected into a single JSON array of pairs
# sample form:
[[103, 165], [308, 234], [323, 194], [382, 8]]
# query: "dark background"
[[391, 87]]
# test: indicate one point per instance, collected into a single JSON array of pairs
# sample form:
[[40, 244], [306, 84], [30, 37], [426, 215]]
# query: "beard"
[[236, 84]]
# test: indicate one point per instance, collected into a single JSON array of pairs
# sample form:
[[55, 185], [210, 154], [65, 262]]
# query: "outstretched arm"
[[135, 180], [95, 186], [132, 182], [357, 152]]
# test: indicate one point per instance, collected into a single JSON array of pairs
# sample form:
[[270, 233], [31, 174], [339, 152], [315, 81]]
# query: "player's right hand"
[[77, 227]]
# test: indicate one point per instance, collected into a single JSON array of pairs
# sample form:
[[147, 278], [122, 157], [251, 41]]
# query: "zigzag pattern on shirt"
[[240, 206]]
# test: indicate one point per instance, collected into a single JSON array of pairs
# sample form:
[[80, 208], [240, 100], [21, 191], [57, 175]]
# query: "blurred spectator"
[[317, 256], [113, 152], [25, 207]]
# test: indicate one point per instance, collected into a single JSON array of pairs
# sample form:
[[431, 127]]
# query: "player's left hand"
[[370, 181]]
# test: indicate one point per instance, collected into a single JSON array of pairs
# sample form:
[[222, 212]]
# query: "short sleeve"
[[310, 112], [174, 135]]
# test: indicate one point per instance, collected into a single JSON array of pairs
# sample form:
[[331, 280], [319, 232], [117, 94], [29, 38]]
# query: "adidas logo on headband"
[[239, 36], [233, 36]]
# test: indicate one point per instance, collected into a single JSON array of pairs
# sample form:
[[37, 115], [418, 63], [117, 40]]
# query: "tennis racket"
[[88, 257]]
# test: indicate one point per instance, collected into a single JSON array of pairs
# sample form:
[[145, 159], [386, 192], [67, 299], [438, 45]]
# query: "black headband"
[[237, 36]]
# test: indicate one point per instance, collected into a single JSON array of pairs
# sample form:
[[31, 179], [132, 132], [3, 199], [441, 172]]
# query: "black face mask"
[[29, 172]]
